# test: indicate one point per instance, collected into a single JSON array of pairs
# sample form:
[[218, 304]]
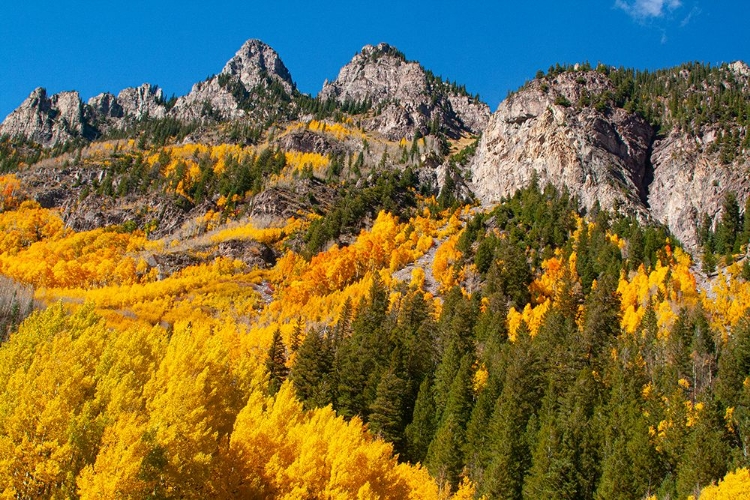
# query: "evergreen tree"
[[478, 438], [386, 412], [276, 363], [729, 226], [311, 374], [445, 457], [420, 431], [601, 323], [509, 443], [363, 357], [635, 248], [705, 452], [551, 473]]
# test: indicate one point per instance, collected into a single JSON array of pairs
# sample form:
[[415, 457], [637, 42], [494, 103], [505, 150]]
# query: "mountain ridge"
[[669, 152]]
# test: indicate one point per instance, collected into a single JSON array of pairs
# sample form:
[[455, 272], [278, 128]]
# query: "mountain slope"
[[285, 304]]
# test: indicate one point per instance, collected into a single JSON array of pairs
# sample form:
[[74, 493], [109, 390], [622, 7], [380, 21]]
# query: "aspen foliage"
[[94, 412], [734, 485], [670, 286], [139, 380], [338, 130]]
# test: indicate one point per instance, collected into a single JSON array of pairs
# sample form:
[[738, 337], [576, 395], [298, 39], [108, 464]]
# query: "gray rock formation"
[[597, 156], [146, 101], [63, 117], [611, 156], [47, 120], [739, 68], [230, 94], [105, 112], [688, 182], [104, 106], [408, 98], [254, 62], [207, 99]]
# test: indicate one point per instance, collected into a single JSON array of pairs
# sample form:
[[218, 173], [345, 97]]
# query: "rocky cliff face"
[[597, 156], [105, 112], [407, 98], [604, 153], [232, 93], [47, 120], [207, 99], [689, 182], [690, 178]]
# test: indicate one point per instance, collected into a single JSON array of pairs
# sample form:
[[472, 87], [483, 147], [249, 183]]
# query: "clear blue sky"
[[490, 46]]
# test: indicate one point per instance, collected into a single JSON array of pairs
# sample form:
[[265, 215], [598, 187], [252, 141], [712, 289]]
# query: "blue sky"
[[490, 46]]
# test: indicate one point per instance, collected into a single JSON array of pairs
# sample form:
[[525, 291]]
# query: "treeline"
[[154, 132]]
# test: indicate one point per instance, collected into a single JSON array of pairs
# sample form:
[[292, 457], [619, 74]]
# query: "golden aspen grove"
[[295, 305]]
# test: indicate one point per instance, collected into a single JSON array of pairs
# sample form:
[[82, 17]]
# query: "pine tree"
[[445, 458], [296, 338], [364, 356], [704, 458], [729, 226], [276, 363], [509, 441], [552, 471], [386, 412], [312, 371], [420, 431]]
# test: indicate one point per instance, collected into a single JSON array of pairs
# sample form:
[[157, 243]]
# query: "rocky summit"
[[47, 120], [233, 92], [410, 99]]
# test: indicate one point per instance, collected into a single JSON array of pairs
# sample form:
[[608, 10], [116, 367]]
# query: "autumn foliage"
[[338, 374]]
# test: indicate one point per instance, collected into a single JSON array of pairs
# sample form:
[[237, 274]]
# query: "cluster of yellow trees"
[[37, 248], [106, 413], [339, 131]]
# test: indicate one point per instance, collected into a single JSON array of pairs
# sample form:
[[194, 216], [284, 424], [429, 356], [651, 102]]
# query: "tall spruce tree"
[[276, 363], [420, 431]]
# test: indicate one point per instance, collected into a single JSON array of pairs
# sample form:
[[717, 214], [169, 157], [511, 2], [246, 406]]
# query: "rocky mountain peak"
[[231, 93], [374, 52], [255, 61], [407, 97], [377, 73], [45, 119], [740, 68]]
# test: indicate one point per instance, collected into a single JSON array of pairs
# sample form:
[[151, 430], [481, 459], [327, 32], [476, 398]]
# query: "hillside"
[[382, 291]]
